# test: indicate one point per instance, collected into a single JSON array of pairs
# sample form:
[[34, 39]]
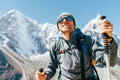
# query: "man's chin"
[[66, 30]]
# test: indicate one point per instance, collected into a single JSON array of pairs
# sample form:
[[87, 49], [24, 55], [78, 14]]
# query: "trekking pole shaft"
[[105, 44], [108, 67]]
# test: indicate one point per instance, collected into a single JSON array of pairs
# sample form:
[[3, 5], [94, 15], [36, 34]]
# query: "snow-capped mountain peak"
[[22, 33], [91, 24]]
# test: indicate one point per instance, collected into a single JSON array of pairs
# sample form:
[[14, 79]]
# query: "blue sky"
[[48, 10]]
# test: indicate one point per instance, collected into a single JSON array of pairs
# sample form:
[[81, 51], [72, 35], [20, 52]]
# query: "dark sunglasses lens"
[[60, 20], [67, 18]]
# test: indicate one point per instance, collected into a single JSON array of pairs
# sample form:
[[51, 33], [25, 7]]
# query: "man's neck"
[[66, 36]]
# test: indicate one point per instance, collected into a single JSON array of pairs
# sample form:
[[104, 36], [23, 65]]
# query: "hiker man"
[[72, 51]]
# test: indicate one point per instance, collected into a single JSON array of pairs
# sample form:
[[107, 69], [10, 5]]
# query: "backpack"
[[81, 38]]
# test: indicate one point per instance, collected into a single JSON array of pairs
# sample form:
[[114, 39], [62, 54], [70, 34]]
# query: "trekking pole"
[[105, 44], [107, 55]]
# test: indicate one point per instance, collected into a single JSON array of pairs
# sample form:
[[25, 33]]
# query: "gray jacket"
[[65, 55]]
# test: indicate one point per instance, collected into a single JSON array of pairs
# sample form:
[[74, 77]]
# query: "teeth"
[[109, 27]]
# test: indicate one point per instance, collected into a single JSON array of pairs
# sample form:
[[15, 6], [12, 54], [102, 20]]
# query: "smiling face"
[[66, 24]]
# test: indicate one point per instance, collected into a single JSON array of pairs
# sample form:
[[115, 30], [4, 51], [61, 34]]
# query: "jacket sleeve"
[[52, 63], [113, 47], [98, 50]]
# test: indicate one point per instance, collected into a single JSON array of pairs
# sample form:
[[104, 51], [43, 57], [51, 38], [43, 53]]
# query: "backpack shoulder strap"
[[88, 41], [57, 50]]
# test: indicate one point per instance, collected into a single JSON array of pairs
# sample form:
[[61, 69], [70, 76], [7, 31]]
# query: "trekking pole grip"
[[104, 36]]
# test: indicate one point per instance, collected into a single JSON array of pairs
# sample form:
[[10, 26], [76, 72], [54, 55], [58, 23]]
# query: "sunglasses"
[[67, 18]]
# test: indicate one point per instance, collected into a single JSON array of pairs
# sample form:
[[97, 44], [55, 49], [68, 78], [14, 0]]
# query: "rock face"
[[7, 70], [24, 47], [16, 67]]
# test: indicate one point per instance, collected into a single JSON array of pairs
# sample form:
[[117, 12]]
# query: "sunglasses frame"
[[67, 18]]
